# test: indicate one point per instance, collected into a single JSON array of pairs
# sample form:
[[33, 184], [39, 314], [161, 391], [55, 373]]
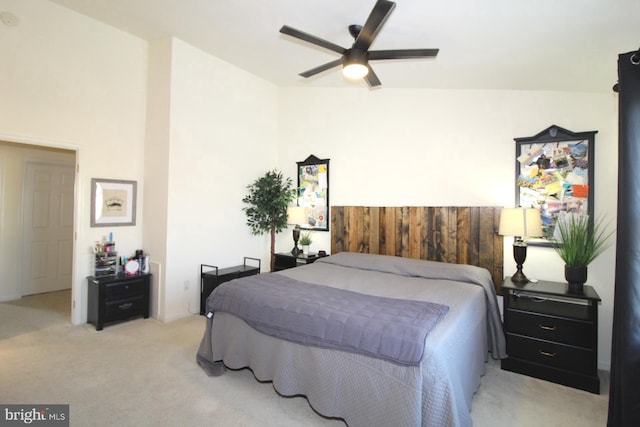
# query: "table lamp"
[[295, 216], [520, 223]]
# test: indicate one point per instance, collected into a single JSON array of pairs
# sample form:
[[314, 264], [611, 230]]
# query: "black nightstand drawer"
[[565, 331], [124, 309], [543, 305], [285, 260], [124, 290], [551, 354]]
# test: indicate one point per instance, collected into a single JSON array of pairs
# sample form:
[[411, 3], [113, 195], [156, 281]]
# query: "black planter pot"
[[575, 276]]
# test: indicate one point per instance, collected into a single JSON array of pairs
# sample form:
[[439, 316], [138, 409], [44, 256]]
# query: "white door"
[[47, 243]]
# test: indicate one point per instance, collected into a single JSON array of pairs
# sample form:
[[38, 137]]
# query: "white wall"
[[439, 148], [156, 155], [222, 136], [73, 83]]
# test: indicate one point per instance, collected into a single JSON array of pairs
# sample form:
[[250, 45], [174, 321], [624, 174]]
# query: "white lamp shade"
[[520, 222], [296, 215]]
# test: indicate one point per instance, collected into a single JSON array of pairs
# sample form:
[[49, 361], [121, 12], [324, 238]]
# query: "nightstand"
[[286, 260], [117, 298], [209, 280], [552, 334]]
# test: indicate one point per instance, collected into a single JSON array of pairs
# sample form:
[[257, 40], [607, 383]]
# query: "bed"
[[354, 384]]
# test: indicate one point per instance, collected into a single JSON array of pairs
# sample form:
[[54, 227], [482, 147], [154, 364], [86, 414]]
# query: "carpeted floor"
[[143, 373]]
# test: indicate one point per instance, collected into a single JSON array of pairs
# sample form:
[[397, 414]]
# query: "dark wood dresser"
[[552, 334], [117, 298]]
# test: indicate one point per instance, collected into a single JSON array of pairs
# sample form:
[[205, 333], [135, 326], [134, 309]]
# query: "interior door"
[[47, 244]]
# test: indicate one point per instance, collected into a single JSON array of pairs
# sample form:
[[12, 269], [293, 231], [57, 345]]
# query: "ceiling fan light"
[[355, 64], [355, 71]]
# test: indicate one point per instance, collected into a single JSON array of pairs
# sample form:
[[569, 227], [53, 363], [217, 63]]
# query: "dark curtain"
[[624, 394]]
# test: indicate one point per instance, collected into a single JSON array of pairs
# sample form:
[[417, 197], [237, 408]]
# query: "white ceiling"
[[565, 45]]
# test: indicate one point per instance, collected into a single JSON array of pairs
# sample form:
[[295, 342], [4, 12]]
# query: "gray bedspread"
[[435, 270], [387, 328]]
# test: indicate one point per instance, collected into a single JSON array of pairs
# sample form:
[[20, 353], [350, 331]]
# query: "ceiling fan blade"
[[402, 53], [312, 39], [321, 68], [371, 78], [376, 19]]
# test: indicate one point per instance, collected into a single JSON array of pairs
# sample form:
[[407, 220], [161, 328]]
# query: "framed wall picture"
[[313, 192], [554, 173], [113, 202]]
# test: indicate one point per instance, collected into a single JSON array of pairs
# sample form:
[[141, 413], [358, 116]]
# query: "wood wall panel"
[[454, 234]]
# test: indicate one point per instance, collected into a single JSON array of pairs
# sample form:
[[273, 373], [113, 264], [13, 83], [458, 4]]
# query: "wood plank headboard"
[[454, 234]]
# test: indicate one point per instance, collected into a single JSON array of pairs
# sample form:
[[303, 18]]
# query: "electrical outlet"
[[186, 285]]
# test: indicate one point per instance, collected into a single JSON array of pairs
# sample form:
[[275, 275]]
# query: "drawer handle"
[[547, 328], [125, 306], [546, 353]]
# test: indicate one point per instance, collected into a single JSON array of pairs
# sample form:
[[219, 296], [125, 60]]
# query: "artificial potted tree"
[[578, 243], [267, 202]]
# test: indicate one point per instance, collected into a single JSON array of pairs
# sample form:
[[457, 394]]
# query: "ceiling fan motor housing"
[[356, 56]]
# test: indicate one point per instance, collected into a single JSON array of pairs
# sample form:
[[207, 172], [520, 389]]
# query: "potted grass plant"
[[578, 243], [305, 241]]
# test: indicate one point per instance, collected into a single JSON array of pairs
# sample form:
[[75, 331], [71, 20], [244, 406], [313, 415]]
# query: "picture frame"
[[313, 192], [113, 202], [555, 174]]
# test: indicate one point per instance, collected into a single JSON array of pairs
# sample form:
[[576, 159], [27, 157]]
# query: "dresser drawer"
[[124, 309], [551, 354], [533, 303], [123, 290], [566, 331]]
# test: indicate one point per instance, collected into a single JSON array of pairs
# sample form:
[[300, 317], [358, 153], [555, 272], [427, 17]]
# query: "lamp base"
[[519, 277], [296, 236], [519, 255]]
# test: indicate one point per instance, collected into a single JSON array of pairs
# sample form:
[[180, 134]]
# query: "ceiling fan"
[[355, 61]]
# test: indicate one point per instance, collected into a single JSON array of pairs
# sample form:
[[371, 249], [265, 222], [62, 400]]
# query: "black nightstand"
[[209, 280], [117, 298], [286, 260], [552, 334]]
